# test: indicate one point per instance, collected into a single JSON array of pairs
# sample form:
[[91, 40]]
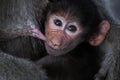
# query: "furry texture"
[[15, 14], [12, 68], [110, 65]]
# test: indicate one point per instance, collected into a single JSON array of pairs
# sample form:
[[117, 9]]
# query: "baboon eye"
[[58, 22], [72, 28]]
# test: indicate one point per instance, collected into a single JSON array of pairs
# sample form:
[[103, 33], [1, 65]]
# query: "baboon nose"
[[56, 44]]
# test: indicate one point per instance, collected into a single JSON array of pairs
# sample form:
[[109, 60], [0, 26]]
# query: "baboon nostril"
[[56, 44]]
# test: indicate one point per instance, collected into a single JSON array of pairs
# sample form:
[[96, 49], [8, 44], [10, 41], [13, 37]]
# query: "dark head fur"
[[84, 10]]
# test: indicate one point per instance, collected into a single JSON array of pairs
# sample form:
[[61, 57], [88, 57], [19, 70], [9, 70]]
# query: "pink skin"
[[37, 33], [34, 31]]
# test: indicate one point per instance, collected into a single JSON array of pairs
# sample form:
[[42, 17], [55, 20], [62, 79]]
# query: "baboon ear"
[[104, 28]]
